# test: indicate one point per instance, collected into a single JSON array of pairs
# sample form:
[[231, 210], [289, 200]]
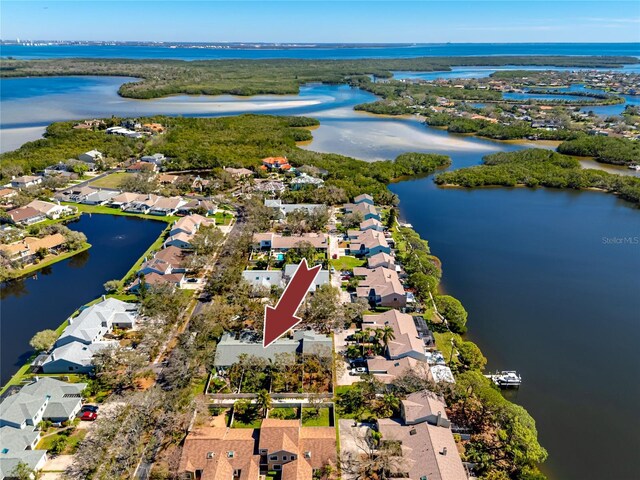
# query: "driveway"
[[342, 371], [352, 440], [55, 466]]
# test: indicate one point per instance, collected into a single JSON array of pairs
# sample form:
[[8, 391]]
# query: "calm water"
[[545, 295], [391, 51], [46, 300], [549, 297]]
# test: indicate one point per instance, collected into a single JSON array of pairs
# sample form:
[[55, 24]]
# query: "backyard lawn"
[[347, 263], [113, 180], [322, 420]]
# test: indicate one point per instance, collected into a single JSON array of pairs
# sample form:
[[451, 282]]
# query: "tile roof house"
[[180, 240], [368, 243], [381, 287], [220, 453], [26, 249], [26, 215], [166, 206], [190, 224], [363, 198], [303, 180], [280, 278], [238, 172], [280, 243], [153, 279], [7, 193], [367, 210], [426, 442], [373, 224], [99, 197], [381, 260], [139, 167], [277, 163], [51, 210], [124, 199]]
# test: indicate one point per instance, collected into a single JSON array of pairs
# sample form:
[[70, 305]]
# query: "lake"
[[45, 300], [545, 294]]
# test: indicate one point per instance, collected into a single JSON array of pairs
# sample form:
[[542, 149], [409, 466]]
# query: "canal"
[[46, 299]]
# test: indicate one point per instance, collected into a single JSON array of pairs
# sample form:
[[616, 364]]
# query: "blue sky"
[[310, 21]]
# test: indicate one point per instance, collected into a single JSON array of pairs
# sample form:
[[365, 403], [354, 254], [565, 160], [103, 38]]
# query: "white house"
[[51, 210], [26, 181], [92, 156]]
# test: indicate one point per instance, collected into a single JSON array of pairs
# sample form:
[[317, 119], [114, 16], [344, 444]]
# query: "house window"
[[237, 473], [293, 457], [307, 454], [284, 458], [263, 451], [273, 458], [424, 477], [277, 467], [210, 454], [230, 454]]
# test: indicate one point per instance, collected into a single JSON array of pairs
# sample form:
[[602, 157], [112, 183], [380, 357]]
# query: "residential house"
[[180, 240], [142, 203], [231, 347], [51, 210], [123, 199], [20, 413], [200, 184], [153, 128], [205, 206], [280, 244], [285, 208], [371, 224], [74, 194], [239, 172], [304, 180], [276, 163], [364, 198], [406, 342], [25, 181], [368, 243], [427, 444], [381, 259], [166, 261], [100, 197], [157, 159], [141, 167], [280, 278], [92, 156], [381, 287], [283, 446], [85, 335], [166, 206], [26, 215], [322, 277], [190, 224], [7, 193], [26, 249], [167, 179], [269, 186], [153, 279]]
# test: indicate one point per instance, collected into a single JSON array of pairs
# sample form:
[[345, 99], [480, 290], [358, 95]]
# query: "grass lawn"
[[322, 420], [101, 209], [113, 180], [223, 218], [72, 441], [347, 263], [443, 342], [286, 413], [253, 424]]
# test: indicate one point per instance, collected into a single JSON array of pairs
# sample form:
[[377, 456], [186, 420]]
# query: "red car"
[[89, 416]]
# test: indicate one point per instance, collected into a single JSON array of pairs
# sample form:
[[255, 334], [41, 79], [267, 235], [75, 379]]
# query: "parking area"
[[342, 372]]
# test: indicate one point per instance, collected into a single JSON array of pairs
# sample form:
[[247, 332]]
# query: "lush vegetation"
[[250, 77], [618, 151], [537, 167]]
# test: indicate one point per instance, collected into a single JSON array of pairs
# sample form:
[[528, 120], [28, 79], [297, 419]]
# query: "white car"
[[358, 371]]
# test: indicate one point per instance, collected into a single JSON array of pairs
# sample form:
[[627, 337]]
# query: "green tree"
[[470, 355], [263, 401], [112, 286], [22, 471], [43, 340], [453, 311]]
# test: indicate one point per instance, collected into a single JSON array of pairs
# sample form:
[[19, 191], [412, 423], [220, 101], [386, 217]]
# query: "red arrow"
[[281, 318]]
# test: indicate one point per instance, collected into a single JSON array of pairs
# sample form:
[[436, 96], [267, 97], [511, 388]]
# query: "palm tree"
[[387, 335], [263, 401], [388, 404]]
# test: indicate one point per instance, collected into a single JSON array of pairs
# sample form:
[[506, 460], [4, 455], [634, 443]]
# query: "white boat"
[[635, 167], [506, 379]]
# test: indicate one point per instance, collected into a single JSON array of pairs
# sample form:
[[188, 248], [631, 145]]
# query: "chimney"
[[104, 297], [439, 420], [444, 451]]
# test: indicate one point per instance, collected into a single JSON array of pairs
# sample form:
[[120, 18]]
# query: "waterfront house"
[[26, 216], [368, 243], [26, 181], [407, 341], [180, 240], [99, 197], [166, 261], [190, 224], [367, 210], [381, 260], [371, 224], [26, 249], [123, 199], [364, 198], [51, 210], [380, 287], [74, 194], [166, 206], [153, 279], [428, 449], [142, 203], [92, 156], [281, 244]]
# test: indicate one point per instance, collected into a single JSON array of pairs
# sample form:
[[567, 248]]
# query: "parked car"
[[89, 416], [358, 371], [89, 408]]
